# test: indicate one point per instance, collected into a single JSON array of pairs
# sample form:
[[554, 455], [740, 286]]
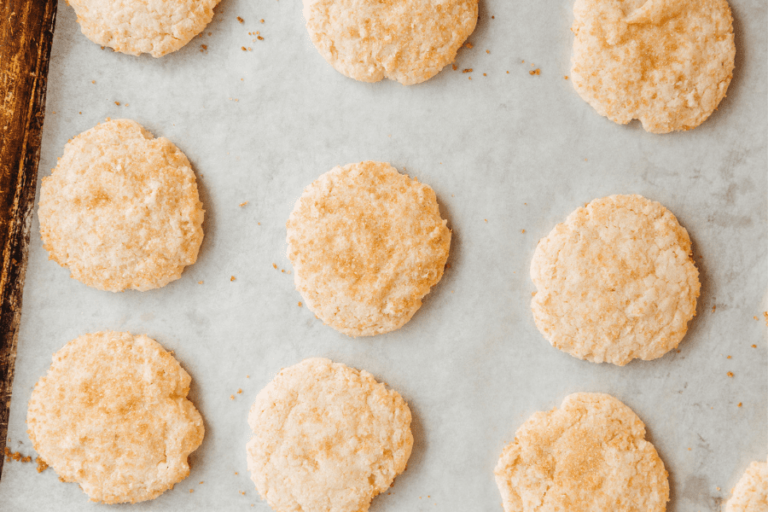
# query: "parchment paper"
[[504, 152]]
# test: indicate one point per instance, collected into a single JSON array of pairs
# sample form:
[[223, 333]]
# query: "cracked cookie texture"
[[667, 63], [112, 415], [588, 455], [751, 493], [615, 281], [326, 437], [121, 209], [157, 27], [367, 244], [405, 40]]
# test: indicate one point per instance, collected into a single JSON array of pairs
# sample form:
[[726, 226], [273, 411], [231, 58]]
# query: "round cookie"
[[112, 415], [405, 40], [121, 209], [326, 437], [156, 27], [751, 493], [667, 63], [615, 281], [367, 243], [591, 454]]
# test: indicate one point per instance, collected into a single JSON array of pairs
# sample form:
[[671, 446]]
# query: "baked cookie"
[[112, 415], [156, 27], [615, 281], [367, 243], [667, 63], [589, 455], [405, 40], [751, 493], [121, 209], [326, 437]]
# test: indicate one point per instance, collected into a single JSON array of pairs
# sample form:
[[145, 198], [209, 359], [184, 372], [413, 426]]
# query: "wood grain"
[[26, 33]]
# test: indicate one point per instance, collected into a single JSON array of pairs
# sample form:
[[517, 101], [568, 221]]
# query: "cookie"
[[367, 243], [667, 63], [142, 26], [405, 40], [751, 493], [121, 209], [112, 415], [326, 437], [615, 281], [589, 455]]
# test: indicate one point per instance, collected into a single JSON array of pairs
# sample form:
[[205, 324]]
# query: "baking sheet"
[[504, 152]]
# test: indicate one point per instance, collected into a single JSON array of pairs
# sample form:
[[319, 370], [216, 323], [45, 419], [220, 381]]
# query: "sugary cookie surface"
[[326, 437], [751, 493], [588, 455], [615, 281], [367, 243], [112, 415], [156, 27], [667, 63], [121, 209], [405, 40]]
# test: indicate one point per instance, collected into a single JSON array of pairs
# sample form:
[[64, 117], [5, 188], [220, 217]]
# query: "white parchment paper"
[[504, 152]]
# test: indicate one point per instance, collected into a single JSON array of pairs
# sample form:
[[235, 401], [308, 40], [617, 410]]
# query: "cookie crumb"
[[274, 266], [754, 346], [730, 374], [714, 307], [469, 45], [241, 20], [243, 48], [522, 231], [300, 304], [467, 70], [259, 38], [739, 406], [243, 204], [232, 278], [454, 66], [191, 491], [487, 51], [116, 103], [536, 71], [199, 282], [41, 465], [232, 397], [239, 391]]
